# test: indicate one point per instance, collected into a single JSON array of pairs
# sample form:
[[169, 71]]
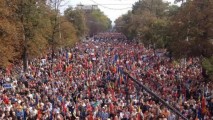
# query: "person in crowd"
[[87, 83]]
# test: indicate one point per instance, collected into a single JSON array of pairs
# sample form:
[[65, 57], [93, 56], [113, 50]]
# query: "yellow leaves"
[[68, 34], [37, 46], [8, 38], [26, 24], [8, 28], [3, 10], [7, 51], [78, 19]]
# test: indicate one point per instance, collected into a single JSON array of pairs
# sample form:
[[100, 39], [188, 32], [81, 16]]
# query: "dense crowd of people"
[[87, 83], [109, 36]]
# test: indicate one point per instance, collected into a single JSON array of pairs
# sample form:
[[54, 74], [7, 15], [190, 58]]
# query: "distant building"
[[87, 7]]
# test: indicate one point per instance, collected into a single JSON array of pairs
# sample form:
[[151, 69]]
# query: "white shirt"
[[8, 107], [33, 112], [121, 115]]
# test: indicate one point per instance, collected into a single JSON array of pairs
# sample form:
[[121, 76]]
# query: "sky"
[[111, 8]]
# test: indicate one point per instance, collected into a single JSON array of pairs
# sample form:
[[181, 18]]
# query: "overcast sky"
[[112, 8]]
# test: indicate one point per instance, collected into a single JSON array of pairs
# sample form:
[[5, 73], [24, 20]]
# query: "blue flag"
[[67, 55], [7, 86], [115, 58]]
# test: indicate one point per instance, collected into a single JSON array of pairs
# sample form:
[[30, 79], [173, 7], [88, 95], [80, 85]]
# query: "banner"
[[7, 85]]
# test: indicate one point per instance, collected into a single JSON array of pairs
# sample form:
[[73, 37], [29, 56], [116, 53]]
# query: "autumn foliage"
[[30, 29]]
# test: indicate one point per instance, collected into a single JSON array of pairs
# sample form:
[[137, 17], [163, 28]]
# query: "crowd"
[[87, 83], [110, 36]]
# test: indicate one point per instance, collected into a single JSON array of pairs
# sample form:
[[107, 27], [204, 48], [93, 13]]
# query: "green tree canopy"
[[97, 22], [147, 22], [192, 33], [78, 19], [208, 66], [88, 21]]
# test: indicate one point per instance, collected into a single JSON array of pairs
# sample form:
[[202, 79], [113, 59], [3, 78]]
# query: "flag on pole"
[[203, 105], [115, 58]]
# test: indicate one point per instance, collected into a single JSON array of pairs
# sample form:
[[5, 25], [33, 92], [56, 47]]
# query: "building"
[[87, 7]]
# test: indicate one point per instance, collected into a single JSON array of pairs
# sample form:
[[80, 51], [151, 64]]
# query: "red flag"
[[39, 114], [139, 116], [113, 95], [70, 78], [113, 69], [90, 117], [59, 67], [203, 105], [88, 92], [116, 83], [6, 100], [89, 108], [69, 68], [8, 69], [111, 107], [64, 107], [121, 79]]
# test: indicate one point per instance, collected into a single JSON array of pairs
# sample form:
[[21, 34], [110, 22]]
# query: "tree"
[[88, 21], [78, 19], [123, 23], [63, 33], [97, 22], [193, 33], [29, 27], [68, 33], [8, 35], [147, 22], [207, 64], [27, 16]]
